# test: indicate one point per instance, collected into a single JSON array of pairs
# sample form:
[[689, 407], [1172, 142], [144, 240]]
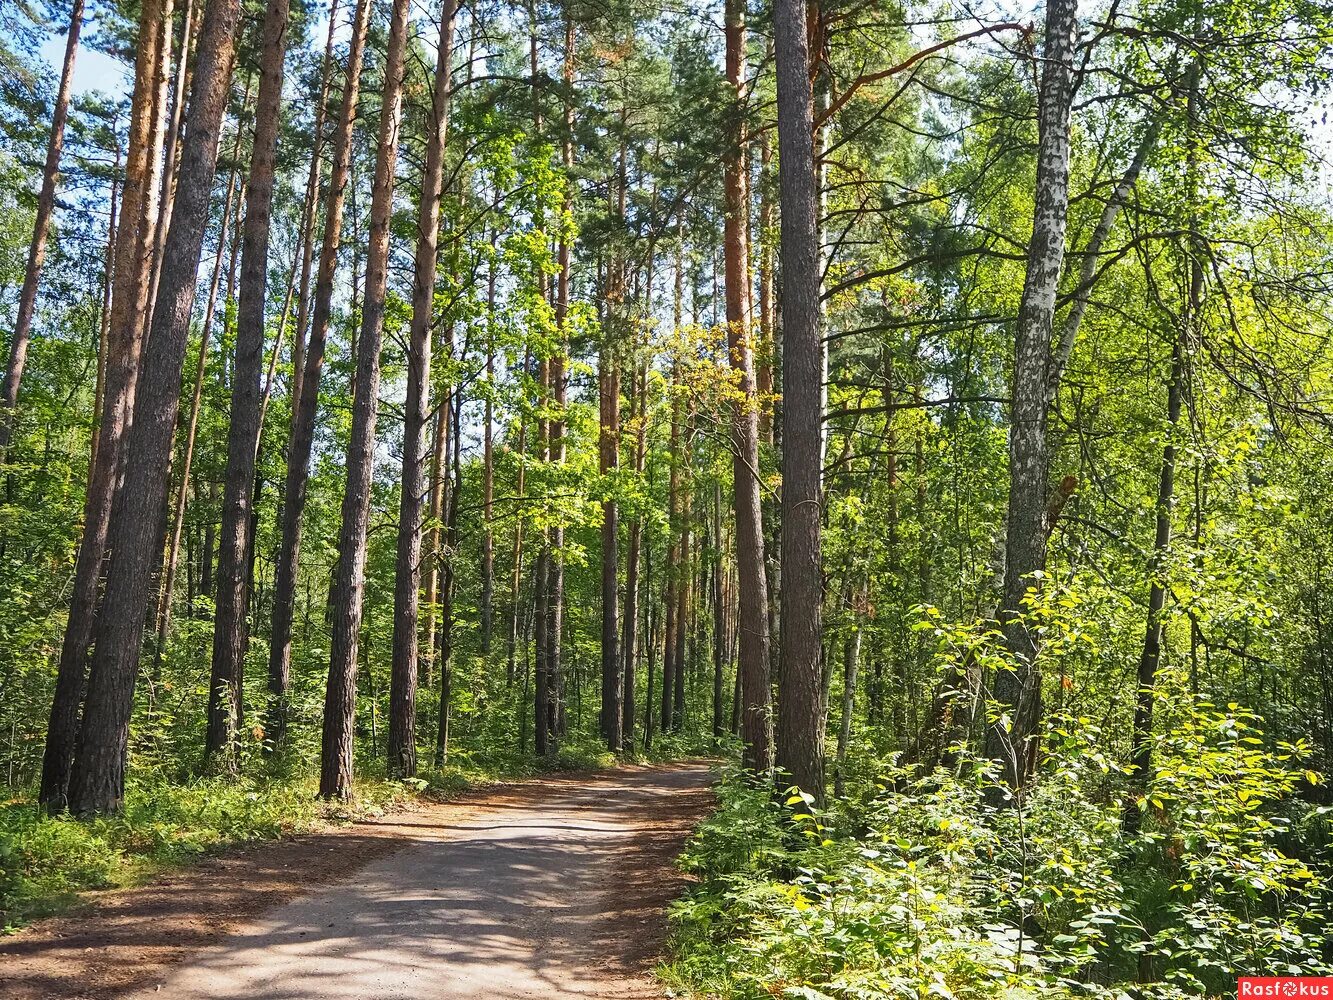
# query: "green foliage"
[[918, 887]]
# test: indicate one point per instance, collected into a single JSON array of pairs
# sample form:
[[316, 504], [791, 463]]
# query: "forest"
[[920, 410]]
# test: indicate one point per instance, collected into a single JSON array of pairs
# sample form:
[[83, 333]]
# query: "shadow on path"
[[553, 889]]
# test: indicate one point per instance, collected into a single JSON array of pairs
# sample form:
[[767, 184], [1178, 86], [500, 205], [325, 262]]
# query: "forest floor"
[[556, 887]]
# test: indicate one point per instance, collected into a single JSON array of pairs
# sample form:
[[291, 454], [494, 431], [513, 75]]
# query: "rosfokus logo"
[[1285, 987]]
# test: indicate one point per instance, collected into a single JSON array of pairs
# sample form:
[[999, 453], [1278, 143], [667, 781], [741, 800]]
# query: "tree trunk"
[[764, 369], [556, 567], [608, 377], [439, 471], [447, 587], [335, 779], [310, 209], [684, 601], [230, 634], [172, 141], [407, 575], [631, 621], [719, 619], [851, 661], [609, 447], [305, 406], [46, 202], [1151, 657], [650, 642], [104, 326], [97, 783], [516, 562], [138, 213], [488, 480], [672, 581], [754, 652], [1018, 690], [182, 497], [801, 695]]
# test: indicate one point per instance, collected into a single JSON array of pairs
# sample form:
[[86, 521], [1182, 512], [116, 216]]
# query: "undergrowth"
[[914, 886]]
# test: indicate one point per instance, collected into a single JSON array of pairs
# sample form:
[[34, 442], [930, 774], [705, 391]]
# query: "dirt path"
[[546, 889]]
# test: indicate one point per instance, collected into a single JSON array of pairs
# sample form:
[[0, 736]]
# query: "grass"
[[48, 862]]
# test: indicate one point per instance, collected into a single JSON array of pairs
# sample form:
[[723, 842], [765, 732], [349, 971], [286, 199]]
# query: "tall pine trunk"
[[754, 652], [196, 400], [407, 573], [97, 783], [305, 404], [632, 558], [138, 215], [335, 779], [800, 751], [230, 632]]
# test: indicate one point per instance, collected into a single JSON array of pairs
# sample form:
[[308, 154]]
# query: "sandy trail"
[[548, 889]]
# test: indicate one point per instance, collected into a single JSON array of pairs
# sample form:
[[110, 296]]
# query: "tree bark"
[[349, 577], [104, 325], [97, 783], [138, 214], [684, 597], [305, 406], [438, 477], [754, 652], [407, 575], [1009, 740], [555, 572], [488, 480], [168, 589], [851, 662], [608, 447], [230, 632], [719, 619], [632, 558], [46, 202]]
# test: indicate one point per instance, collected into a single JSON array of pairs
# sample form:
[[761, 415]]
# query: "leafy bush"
[[917, 887]]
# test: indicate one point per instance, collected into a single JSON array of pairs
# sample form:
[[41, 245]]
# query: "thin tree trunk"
[[305, 405], [1018, 691], [673, 570], [488, 480], [631, 623], [104, 329], [196, 400], [97, 783], [684, 599], [764, 367], [1151, 657], [438, 473], [719, 618], [754, 652], [851, 662], [447, 588], [138, 213], [172, 142], [349, 577], [407, 577], [46, 201], [311, 206], [650, 641], [230, 635], [556, 563]]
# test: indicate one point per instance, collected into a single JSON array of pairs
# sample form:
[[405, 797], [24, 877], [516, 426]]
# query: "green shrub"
[[917, 887]]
